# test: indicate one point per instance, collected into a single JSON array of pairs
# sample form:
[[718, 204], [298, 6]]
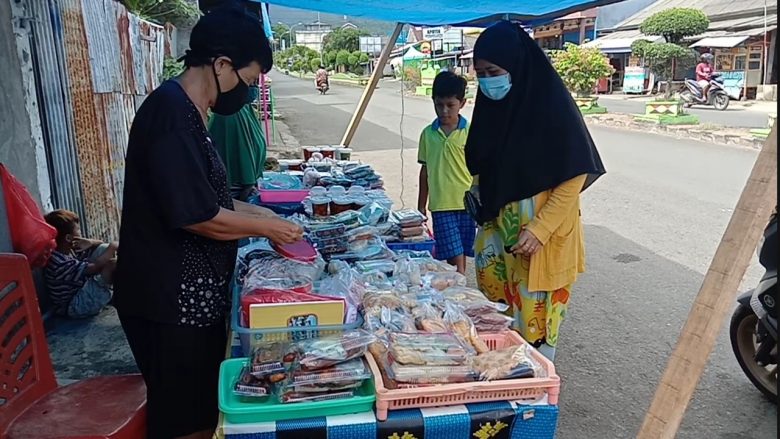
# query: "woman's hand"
[[527, 244], [281, 231]]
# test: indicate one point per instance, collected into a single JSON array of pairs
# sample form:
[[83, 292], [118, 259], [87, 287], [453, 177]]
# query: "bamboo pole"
[[715, 297], [379, 68]]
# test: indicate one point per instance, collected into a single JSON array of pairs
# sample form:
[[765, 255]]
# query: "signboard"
[[733, 82], [453, 37], [433, 33], [634, 80], [371, 45], [437, 45]]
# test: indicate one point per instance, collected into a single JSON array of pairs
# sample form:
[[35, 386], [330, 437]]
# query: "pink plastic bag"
[[30, 234]]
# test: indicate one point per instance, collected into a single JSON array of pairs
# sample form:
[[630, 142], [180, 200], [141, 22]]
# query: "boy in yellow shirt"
[[444, 177]]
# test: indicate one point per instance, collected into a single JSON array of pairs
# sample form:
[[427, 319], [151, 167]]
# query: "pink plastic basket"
[[283, 196], [455, 394]]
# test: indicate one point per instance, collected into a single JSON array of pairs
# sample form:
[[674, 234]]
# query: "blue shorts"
[[454, 232]]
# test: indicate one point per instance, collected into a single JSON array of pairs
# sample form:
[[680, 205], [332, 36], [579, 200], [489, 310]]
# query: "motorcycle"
[[323, 87], [716, 93], [753, 328]]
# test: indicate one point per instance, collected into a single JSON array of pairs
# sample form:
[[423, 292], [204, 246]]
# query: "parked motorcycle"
[[716, 93], [753, 328]]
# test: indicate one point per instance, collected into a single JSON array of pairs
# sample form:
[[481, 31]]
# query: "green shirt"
[[445, 159]]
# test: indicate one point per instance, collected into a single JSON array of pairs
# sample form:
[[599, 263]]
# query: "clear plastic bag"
[[429, 319], [374, 214], [492, 322], [462, 326], [425, 349], [381, 298], [442, 281], [271, 360], [280, 181], [408, 217], [336, 376], [345, 284], [472, 301], [407, 272], [259, 261], [320, 353], [383, 265], [249, 386], [430, 374], [388, 320], [509, 363]]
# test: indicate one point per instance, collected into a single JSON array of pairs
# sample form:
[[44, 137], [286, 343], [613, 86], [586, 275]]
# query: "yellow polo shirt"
[[445, 159]]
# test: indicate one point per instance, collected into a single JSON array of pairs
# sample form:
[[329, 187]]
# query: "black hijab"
[[535, 138]]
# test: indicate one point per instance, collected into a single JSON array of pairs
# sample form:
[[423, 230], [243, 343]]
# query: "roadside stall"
[[740, 61], [358, 332]]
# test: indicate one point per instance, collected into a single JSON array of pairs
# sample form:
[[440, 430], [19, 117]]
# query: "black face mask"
[[231, 101]]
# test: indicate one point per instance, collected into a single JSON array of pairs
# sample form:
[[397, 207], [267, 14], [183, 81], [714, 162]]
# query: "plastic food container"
[[328, 152], [527, 389], [318, 191], [337, 191], [340, 205], [344, 154], [239, 411], [320, 206], [308, 151], [359, 202]]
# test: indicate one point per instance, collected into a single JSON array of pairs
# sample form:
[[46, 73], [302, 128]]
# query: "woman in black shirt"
[[180, 226]]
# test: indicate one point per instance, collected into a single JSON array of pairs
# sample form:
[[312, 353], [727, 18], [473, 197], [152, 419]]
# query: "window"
[[739, 62], [754, 62]]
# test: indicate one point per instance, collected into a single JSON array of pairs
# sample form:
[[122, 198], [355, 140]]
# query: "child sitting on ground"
[[444, 177], [80, 272]]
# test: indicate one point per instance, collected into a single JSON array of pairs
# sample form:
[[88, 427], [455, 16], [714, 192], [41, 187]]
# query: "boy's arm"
[[422, 198], [422, 159], [103, 260]]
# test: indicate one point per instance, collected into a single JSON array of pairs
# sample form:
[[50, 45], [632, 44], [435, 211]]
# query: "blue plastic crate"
[[429, 246]]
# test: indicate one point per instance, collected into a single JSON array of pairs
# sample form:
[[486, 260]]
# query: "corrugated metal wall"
[[107, 61]]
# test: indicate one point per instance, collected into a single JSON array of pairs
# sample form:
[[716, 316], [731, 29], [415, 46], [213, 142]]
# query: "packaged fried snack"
[[319, 353], [250, 386], [508, 363], [425, 349]]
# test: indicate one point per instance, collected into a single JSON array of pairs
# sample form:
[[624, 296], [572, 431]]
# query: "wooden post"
[[379, 69], [715, 297]]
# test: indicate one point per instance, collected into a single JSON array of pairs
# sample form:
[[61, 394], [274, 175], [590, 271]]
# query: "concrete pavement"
[[652, 225]]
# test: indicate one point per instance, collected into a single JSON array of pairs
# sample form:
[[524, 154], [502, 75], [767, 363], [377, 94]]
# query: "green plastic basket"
[[239, 411]]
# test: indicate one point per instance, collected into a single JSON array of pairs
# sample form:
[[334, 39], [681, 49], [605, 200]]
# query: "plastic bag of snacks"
[[442, 281], [462, 326], [428, 318], [249, 386], [259, 260], [271, 359], [472, 301], [425, 349], [320, 353], [492, 322], [334, 382], [430, 374], [509, 363]]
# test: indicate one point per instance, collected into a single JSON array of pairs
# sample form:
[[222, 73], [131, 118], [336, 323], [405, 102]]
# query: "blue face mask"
[[495, 87]]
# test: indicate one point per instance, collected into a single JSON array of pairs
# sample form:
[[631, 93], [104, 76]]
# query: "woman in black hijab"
[[531, 155]]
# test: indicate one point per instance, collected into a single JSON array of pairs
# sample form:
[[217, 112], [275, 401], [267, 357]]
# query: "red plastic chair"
[[31, 404]]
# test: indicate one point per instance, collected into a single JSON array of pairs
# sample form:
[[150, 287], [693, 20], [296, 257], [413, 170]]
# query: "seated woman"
[[240, 143]]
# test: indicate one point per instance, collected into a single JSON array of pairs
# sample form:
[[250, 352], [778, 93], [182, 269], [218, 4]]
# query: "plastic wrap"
[[492, 322], [388, 320], [442, 281], [329, 351], [429, 319], [383, 265], [427, 349], [365, 249], [271, 360], [378, 298], [407, 272], [344, 283], [281, 287], [338, 381], [463, 327], [430, 374], [472, 301], [260, 261], [408, 217], [249, 386], [280, 181], [374, 213], [509, 363]]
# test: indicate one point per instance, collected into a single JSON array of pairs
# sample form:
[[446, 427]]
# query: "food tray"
[[526, 389], [250, 337], [282, 196], [237, 411]]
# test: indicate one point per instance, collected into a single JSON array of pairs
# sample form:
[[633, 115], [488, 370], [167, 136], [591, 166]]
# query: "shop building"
[[742, 35], [573, 28]]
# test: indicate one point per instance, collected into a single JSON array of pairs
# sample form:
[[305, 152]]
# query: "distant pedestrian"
[[444, 176], [531, 155]]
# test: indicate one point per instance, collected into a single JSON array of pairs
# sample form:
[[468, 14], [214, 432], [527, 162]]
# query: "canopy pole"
[[715, 298], [379, 69]]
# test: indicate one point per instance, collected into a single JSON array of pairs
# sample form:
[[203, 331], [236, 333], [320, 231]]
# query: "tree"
[[581, 67], [315, 64], [181, 13], [343, 39], [674, 25], [342, 58]]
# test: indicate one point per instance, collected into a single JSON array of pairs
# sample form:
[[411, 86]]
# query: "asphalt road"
[[652, 225], [736, 115]]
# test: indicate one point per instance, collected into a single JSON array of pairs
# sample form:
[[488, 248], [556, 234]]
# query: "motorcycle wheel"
[[742, 332], [720, 101]]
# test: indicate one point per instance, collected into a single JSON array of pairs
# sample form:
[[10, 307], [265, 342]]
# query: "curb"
[[691, 132]]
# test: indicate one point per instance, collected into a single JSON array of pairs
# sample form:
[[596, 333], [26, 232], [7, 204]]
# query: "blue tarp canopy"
[[452, 12]]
